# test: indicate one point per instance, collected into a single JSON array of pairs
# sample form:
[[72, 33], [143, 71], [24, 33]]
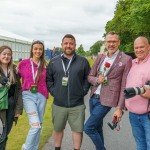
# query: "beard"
[[69, 52]]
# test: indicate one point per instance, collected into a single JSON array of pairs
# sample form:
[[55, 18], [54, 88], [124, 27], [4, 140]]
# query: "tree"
[[87, 53], [140, 15], [131, 19], [95, 48], [80, 50]]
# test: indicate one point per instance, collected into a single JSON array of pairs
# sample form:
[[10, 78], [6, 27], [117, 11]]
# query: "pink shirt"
[[25, 71], [138, 75]]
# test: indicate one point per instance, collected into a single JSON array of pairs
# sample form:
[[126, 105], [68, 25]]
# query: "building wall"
[[20, 48]]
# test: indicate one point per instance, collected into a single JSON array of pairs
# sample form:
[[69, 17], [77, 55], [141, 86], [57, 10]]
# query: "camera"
[[3, 81], [131, 92], [114, 123]]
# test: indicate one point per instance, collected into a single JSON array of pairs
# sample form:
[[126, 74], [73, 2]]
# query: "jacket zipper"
[[68, 91]]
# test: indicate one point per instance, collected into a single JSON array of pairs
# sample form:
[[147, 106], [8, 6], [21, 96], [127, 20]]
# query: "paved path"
[[114, 140]]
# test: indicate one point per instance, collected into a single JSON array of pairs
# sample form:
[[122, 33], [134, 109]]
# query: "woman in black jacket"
[[9, 76]]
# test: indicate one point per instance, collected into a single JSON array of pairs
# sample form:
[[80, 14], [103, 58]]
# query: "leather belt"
[[26, 90], [96, 96]]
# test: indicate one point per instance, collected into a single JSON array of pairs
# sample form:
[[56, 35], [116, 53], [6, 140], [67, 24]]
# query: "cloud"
[[50, 20]]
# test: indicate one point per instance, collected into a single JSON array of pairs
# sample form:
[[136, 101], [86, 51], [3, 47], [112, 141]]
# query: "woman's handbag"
[[3, 97]]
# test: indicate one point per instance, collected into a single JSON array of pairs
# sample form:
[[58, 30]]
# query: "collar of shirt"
[[65, 58], [136, 60], [114, 55], [110, 60], [34, 64]]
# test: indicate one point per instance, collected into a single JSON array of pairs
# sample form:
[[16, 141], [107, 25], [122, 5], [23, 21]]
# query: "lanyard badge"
[[65, 79], [33, 88], [34, 85]]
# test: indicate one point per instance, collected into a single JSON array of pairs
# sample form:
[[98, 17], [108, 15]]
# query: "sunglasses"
[[38, 42]]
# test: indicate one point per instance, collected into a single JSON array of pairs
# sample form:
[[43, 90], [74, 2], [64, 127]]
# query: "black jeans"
[[9, 123]]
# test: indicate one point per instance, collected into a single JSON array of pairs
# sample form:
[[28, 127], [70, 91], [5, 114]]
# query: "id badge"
[[33, 88], [64, 81]]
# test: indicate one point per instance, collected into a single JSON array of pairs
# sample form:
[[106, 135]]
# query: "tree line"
[[131, 19]]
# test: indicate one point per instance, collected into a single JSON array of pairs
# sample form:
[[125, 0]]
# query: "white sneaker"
[[23, 147]]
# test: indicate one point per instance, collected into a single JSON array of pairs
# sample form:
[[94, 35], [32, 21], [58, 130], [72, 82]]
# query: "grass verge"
[[91, 61], [19, 132]]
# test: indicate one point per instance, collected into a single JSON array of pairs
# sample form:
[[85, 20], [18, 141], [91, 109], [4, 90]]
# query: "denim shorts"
[[74, 115]]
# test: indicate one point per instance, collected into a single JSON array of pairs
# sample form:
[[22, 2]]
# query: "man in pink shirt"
[[138, 106]]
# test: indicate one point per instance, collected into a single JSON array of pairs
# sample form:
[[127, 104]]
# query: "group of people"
[[121, 73], [68, 78], [32, 96]]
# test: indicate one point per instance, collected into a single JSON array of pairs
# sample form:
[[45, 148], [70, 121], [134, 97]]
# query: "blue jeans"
[[34, 105], [141, 130], [94, 124]]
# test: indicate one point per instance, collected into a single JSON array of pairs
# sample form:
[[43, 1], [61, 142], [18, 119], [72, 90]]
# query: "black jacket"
[[17, 96], [78, 86]]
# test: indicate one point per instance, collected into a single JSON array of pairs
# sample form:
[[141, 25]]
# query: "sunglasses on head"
[[38, 42]]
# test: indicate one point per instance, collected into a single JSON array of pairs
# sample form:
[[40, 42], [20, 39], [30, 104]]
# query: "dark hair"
[[42, 60], [112, 33], [69, 36]]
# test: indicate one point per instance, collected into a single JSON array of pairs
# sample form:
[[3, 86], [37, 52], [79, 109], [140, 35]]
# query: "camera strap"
[[118, 127]]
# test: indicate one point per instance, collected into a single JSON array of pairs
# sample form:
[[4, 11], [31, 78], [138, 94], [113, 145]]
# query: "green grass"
[[91, 61], [18, 133], [16, 62]]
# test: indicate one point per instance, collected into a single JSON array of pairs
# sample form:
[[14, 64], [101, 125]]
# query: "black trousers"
[[9, 123]]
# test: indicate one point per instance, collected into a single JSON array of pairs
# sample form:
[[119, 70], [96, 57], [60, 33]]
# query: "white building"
[[20, 45]]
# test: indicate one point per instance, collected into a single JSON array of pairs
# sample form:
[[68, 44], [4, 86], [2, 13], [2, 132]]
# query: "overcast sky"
[[50, 20]]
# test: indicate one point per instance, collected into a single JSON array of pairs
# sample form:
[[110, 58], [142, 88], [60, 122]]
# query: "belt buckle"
[[97, 96]]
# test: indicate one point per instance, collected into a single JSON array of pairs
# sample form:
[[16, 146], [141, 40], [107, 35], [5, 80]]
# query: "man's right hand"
[[101, 79]]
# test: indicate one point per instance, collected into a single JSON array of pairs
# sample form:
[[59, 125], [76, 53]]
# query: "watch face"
[[1, 127]]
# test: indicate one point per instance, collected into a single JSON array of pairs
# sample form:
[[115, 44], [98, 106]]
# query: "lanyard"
[[34, 74], [66, 69]]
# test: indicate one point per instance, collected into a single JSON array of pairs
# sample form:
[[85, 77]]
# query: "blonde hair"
[[10, 64]]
